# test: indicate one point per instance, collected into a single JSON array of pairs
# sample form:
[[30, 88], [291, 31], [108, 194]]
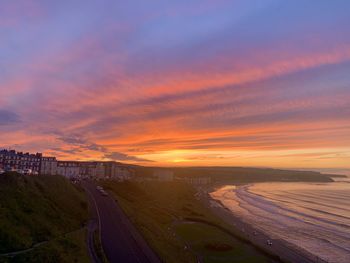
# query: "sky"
[[178, 83]]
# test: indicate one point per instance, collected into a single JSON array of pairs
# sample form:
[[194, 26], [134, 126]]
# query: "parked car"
[[20, 171], [104, 193], [27, 171]]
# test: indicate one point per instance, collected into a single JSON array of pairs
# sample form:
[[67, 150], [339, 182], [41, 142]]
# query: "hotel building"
[[26, 163]]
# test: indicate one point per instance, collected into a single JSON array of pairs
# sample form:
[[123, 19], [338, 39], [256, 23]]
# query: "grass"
[[153, 218], [65, 249], [34, 209], [241, 174], [161, 211], [214, 245], [98, 247]]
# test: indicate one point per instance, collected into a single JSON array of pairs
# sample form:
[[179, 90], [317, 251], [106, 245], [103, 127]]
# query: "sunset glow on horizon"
[[181, 83]]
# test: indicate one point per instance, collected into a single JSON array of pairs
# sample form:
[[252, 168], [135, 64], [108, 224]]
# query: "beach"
[[285, 231]]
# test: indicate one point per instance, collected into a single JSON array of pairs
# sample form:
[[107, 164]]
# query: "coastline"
[[280, 248]]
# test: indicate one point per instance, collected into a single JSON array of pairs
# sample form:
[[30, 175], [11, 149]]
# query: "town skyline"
[[26, 163], [205, 83]]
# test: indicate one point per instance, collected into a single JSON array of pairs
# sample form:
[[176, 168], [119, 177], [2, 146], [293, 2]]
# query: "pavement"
[[120, 240]]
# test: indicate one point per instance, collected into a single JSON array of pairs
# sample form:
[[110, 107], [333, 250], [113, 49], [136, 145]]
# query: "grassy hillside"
[[243, 174], [36, 209], [166, 214]]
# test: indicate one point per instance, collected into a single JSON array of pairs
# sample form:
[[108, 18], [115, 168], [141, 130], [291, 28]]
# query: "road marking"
[[121, 219], [99, 218], [115, 211], [100, 232]]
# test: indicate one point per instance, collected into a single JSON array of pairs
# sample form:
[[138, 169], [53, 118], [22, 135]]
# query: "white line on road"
[[98, 216]]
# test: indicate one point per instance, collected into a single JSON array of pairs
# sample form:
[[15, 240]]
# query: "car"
[[103, 192], [27, 171], [2, 171], [269, 242]]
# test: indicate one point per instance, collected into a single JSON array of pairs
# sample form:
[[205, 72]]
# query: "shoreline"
[[280, 248]]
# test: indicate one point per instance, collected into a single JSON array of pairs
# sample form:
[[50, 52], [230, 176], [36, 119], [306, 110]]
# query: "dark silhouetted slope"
[[38, 209]]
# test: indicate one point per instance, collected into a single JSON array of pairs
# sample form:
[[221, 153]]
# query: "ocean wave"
[[268, 206], [282, 199], [316, 221]]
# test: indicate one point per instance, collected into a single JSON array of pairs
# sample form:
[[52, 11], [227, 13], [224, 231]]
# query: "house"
[[10, 160], [118, 171], [164, 175], [200, 180], [92, 169], [68, 169], [48, 166], [26, 164]]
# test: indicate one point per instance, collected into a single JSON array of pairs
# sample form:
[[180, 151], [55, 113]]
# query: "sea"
[[311, 216]]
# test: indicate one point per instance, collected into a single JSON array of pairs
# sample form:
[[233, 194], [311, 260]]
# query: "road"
[[92, 226], [121, 241]]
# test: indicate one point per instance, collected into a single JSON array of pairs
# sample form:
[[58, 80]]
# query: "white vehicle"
[[269, 242], [2, 171], [103, 192], [20, 171], [27, 171]]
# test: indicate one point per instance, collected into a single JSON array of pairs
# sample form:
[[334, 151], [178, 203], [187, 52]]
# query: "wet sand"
[[285, 251]]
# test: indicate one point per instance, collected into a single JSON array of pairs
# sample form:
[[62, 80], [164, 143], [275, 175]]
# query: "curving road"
[[120, 240]]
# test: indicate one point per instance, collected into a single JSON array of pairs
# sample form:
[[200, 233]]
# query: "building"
[[122, 173], [118, 171], [92, 170], [81, 169], [109, 169], [197, 180], [100, 170], [164, 175], [24, 163], [68, 169], [48, 166]]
